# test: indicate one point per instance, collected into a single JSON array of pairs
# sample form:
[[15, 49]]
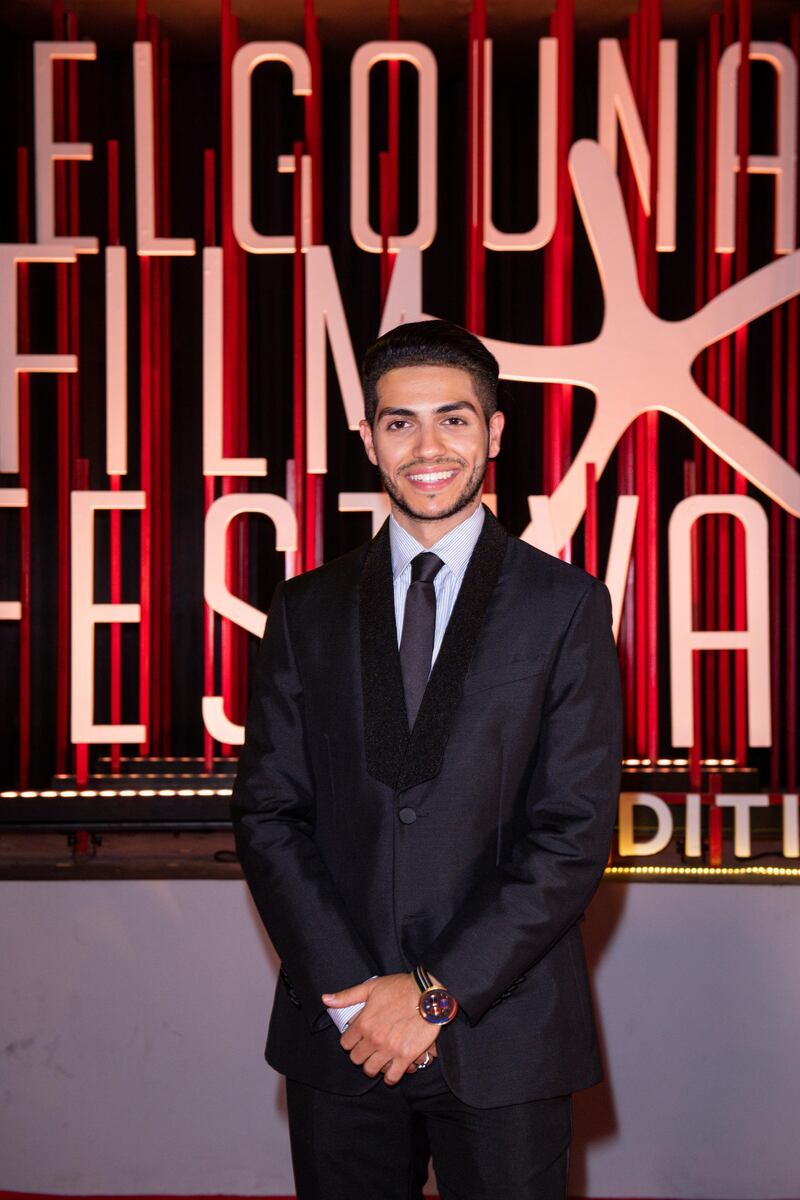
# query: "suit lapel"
[[393, 757], [385, 720]]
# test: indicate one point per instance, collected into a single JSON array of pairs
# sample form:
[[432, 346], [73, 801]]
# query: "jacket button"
[[407, 815]]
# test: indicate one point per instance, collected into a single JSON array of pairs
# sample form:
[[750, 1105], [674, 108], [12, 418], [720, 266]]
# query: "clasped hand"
[[388, 1034]]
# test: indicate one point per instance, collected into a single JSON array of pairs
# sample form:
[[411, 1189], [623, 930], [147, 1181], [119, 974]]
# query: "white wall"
[[133, 1017]]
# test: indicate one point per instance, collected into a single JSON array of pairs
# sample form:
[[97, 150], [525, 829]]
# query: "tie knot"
[[425, 567]]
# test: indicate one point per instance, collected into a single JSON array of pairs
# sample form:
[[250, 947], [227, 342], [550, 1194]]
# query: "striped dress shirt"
[[455, 550]]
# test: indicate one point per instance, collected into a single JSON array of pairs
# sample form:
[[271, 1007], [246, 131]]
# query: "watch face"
[[438, 1006]]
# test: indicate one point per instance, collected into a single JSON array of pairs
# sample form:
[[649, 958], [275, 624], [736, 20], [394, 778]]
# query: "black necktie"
[[419, 623]]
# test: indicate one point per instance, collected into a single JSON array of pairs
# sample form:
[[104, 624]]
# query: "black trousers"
[[377, 1146]]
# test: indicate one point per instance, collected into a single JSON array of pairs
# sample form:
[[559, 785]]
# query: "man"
[[423, 809]]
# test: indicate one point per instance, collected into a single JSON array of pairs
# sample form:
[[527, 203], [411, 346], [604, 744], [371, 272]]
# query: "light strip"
[[109, 792], [678, 762], [790, 872]]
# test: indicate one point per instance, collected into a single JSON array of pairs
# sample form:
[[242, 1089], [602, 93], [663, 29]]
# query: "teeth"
[[433, 476]]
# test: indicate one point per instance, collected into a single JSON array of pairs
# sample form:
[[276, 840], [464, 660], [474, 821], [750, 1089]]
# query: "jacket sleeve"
[[513, 916], [273, 813]]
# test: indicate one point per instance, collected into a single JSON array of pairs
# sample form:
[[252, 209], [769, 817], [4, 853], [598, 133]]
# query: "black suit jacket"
[[472, 844]]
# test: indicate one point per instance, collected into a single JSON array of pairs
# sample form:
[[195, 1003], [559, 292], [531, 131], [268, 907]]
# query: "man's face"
[[430, 442]]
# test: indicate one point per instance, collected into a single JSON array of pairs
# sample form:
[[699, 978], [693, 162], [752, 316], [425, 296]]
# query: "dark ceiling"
[[192, 25]]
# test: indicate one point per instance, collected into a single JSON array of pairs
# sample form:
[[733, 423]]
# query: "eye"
[[397, 423], [454, 421]]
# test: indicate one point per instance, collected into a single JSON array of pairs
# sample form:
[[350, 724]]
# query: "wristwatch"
[[436, 1004]]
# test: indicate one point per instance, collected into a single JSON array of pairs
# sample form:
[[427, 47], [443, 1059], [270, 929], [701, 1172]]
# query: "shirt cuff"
[[342, 1017]]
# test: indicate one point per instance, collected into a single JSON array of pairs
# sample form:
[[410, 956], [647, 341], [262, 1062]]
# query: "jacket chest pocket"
[[502, 673]]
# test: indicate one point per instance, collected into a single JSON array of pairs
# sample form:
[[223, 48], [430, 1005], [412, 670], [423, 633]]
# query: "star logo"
[[640, 362]]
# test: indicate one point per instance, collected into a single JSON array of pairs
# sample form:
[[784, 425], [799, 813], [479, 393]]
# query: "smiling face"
[[431, 443]]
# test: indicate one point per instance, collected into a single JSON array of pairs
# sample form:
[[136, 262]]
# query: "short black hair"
[[430, 344]]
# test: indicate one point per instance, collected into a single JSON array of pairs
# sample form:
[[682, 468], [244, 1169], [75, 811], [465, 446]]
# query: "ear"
[[496, 423], [365, 429]]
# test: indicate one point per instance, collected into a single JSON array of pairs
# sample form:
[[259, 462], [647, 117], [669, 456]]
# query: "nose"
[[428, 443]]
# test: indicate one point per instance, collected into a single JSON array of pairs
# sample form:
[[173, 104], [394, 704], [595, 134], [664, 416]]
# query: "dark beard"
[[471, 489]]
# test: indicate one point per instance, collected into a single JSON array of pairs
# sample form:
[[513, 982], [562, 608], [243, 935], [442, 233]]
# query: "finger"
[[350, 1038], [361, 1052], [375, 1064], [351, 995], [396, 1071]]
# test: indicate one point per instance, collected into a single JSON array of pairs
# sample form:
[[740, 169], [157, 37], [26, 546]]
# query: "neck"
[[428, 533]]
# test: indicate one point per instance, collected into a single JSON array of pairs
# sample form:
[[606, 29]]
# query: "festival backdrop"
[[195, 255]]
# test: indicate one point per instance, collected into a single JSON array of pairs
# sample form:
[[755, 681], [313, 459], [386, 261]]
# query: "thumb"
[[351, 995]]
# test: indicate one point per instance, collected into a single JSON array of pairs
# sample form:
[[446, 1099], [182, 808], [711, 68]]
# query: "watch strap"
[[422, 978]]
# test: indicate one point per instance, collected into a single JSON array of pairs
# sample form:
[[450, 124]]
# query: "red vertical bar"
[[209, 483], [73, 221], [479, 250], [115, 517], [715, 841], [558, 264], [116, 628], [145, 440], [64, 488], [165, 266], [393, 139], [695, 760], [724, 542], [590, 554], [231, 333], [145, 470], [565, 223], [63, 418], [649, 93], [81, 749], [112, 198], [314, 144], [701, 237], [644, 75], [80, 467], [627, 485], [724, 558], [793, 454], [775, 564], [642, 567], [298, 371], [695, 754], [388, 161], [470, 169], [24, 392], [305, 484], [713, 361], [476, 252], [209, 682], [740, 379], [384, 185], [314, 119], [626, 643], [479, 269], [239, 639], [156, 560]]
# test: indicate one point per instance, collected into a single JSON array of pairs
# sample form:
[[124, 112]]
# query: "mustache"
[[427, 462]]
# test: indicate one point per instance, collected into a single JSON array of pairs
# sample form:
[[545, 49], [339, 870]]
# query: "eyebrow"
[[454, 406]]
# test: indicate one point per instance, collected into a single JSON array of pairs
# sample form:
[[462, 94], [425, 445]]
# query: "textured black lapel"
[[425, 751], [385, 720]]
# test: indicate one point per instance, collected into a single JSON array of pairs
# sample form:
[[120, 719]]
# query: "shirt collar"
[[454, 549]]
